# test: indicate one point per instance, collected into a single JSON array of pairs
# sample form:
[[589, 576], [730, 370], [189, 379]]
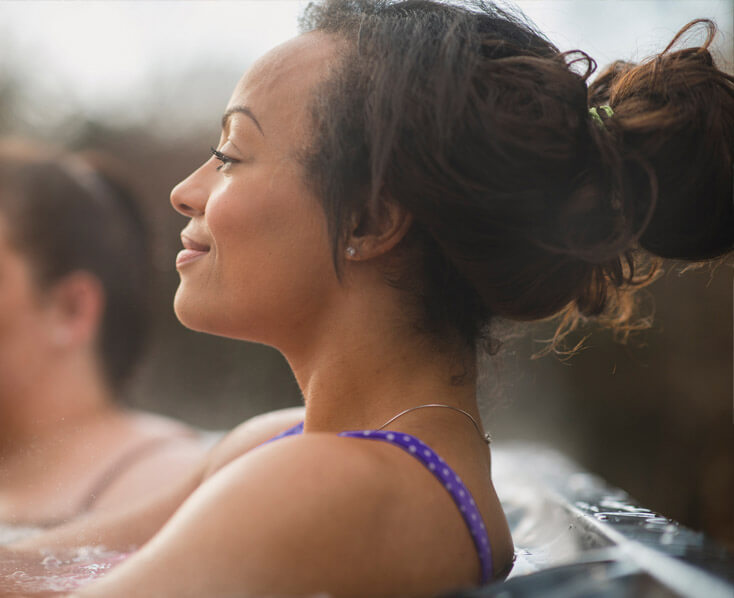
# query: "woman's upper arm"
[[266, 524]]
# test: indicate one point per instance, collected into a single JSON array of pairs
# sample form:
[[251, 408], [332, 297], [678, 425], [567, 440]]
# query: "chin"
[[202, 314], [192, 313]]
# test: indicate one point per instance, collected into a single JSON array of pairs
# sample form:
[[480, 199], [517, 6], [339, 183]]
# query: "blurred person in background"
[[386, 185], [75, 278]]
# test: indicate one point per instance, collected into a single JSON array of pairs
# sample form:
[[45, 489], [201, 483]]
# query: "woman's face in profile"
[[257, 261]]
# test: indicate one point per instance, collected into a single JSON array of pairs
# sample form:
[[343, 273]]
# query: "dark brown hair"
[[76, 213], [524, 205]]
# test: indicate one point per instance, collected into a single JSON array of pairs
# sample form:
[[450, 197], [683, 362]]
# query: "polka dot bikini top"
[[443, 473]]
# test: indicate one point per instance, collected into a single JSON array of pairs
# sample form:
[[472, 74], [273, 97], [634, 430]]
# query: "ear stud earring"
[[351, 251]]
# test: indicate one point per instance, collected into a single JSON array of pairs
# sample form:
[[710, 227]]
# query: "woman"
[[385, 186], [74, 284]]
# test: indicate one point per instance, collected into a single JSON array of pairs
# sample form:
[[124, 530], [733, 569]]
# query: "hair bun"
[[675, 117], [700, 230]]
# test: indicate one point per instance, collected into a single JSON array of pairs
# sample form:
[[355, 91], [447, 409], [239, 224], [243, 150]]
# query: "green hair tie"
[[595, 115]]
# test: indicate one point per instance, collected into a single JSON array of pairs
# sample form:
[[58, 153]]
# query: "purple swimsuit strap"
[[443, 473]]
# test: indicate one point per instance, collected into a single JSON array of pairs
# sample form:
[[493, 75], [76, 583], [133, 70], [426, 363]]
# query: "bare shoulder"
[[157, 467], [173, 451], [298, 515], [250, 434]]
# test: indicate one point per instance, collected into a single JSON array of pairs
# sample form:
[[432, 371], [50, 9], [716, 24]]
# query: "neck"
[[360, 371]]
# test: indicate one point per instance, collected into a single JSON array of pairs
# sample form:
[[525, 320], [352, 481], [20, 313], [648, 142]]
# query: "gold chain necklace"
[[485, 437]]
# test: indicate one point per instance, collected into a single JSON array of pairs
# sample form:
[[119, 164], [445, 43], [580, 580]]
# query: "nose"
[[190, 195]]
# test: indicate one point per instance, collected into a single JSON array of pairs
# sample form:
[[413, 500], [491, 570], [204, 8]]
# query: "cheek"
[[18, 303], [271, 264], [267, 228], [235, 218], [24, 335], [250, 236]]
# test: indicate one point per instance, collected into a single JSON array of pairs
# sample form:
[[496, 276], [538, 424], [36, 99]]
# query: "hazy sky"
[[109, 56]]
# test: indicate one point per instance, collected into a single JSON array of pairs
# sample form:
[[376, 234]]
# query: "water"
[[574, 536], [51, 573]]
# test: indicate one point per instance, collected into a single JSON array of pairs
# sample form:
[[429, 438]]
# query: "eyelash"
[[224, 159]]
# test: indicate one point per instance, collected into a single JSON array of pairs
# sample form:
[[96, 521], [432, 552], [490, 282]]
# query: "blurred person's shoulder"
[[250, 434], [152, 451]]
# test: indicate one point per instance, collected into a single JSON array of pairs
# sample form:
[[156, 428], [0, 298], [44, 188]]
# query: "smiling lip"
[[192, 251]]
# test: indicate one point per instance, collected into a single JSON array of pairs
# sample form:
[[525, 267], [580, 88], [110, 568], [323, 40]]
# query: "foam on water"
[[572, 532], [49, 573]]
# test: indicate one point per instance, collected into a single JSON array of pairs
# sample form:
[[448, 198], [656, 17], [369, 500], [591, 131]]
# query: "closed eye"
[[223, 158]]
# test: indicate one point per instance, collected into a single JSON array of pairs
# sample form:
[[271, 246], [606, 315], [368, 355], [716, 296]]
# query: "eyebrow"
[[240, 110]]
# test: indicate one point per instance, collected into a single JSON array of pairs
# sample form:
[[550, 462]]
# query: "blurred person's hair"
[[77, 212], [524, 205]]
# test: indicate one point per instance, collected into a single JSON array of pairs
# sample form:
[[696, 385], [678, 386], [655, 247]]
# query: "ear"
[[76, 305], [380, 228]]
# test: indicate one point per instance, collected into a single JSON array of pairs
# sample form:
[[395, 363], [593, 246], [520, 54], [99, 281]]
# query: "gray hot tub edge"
[[576, 536]]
